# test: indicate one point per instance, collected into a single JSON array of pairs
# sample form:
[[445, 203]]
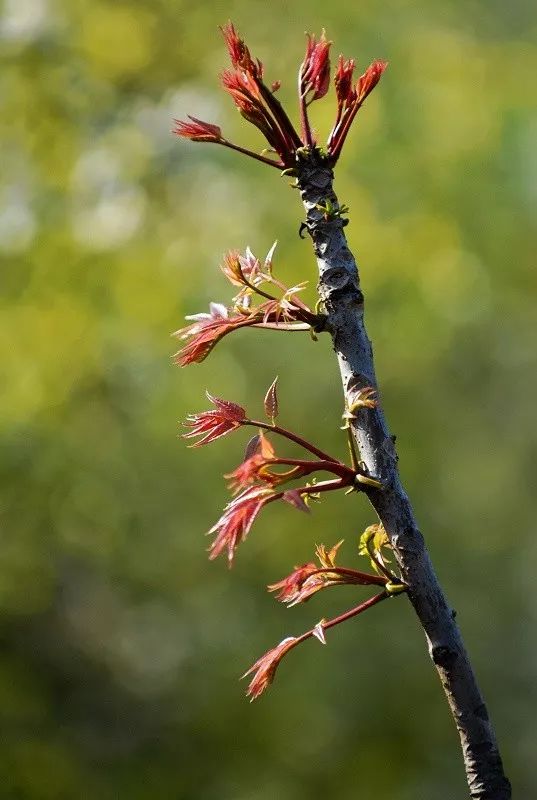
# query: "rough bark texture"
[[339, 288]]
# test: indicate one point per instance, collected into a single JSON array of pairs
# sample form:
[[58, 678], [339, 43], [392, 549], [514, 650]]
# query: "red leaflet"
[[239, 53], [205, 332], [247, 95], [289, 587], [315, 69], [235, 523], [211, 425], [343, 80], [298, 588], [295, 499], [228, 409], [247, 473], [369, 79], [197, 130], [255, 467], [313, 80], [242, 87], [265, 668]]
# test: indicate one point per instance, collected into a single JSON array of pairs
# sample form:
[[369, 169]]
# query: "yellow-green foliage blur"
[[121, 645]]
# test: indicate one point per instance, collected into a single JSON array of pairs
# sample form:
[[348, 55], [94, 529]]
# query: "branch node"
[[444, 656]]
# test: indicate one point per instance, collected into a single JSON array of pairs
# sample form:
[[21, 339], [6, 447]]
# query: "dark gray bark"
[[339, 288]]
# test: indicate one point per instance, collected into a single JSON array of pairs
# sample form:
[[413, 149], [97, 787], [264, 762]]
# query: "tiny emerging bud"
[[369, 79], [343, 82], [364, 398], [315, 69], [327, 558], [318, 631]]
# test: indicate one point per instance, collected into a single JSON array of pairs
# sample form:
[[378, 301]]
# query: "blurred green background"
[[121, 644]]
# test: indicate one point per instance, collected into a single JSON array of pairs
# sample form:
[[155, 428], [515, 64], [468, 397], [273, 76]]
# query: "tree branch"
[[339, 288]]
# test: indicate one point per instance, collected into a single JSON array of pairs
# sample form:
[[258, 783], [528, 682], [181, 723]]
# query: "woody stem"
[[339, 288]]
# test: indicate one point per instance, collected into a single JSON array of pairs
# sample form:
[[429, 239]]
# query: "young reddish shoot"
[[265, 667], [257, 103]]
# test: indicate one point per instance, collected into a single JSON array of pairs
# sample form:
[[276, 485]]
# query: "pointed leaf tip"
[[294, 498], [271, 401], [252, 447], [265, 446]]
